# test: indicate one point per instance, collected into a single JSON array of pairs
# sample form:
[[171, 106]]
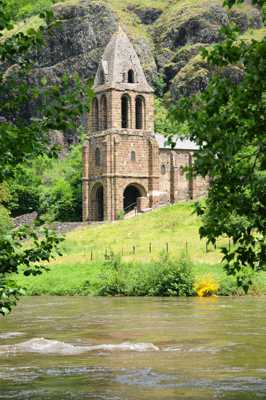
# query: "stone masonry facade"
[[125, 165]]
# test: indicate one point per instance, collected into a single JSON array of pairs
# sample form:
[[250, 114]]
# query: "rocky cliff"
[[167, 35]]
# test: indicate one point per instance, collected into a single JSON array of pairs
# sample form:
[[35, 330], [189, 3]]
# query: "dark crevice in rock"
[[147, 15]]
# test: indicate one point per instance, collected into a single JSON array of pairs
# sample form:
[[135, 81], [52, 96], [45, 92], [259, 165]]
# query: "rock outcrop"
[[147, 15], [168, 39], [179, 36], [76, 44]]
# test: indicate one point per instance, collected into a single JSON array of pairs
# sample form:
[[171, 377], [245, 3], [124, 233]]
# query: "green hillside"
[[174, 224], [84, 251]]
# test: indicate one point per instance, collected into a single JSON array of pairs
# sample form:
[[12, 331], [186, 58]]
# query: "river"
[[54, 348]]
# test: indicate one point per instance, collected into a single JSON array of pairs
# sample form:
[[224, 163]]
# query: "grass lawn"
[[174, 226]]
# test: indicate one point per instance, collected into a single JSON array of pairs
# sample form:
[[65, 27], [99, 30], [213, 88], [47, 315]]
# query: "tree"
[[22, 137], [228, 123]]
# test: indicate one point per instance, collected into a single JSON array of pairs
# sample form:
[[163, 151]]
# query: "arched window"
[[130, 76], [125, 108], [103, 112], [133, 156], [140, 114], [97, 157], [102, 77], [163, 169], [95, 115]]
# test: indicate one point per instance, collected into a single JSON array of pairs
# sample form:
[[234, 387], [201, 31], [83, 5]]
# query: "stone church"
[[126, 166]]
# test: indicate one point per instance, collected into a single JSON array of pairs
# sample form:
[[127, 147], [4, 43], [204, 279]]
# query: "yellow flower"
[[206, 286]]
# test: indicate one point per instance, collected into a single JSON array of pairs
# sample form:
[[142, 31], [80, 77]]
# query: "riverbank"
[[166, 276], [137, 246]]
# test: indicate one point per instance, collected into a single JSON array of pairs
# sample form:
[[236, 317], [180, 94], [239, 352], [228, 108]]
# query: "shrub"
[[206, 286], [166, 277], [110, 280], [120, 215], [228, 287], [5, 221], [171, 277]]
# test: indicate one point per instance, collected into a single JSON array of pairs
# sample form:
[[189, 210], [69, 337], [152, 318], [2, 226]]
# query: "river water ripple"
[[55, 348]]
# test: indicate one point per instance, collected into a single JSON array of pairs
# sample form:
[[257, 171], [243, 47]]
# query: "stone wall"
[[174, 184], [165, 175], [127, 157]]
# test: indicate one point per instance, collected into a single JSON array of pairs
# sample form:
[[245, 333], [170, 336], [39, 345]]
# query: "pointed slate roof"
[[120, 57]]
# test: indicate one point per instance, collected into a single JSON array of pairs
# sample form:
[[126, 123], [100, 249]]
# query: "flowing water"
[[54, 348]]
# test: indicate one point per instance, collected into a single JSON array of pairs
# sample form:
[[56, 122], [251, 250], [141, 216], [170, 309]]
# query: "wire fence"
[[151, 249]]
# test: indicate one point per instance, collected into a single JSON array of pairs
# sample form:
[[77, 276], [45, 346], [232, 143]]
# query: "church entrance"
[[98, 203], [131, 193]]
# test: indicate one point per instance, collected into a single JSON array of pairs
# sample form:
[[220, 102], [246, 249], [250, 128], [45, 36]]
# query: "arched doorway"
[[97, 203], [131, 193]]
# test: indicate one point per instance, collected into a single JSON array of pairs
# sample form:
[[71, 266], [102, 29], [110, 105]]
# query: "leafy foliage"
[[227, 122], [50, 186], [19, 9], [15, 254], [23, 137], [165, 277]]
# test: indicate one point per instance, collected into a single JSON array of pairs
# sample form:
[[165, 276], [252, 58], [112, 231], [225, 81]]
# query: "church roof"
[[179, 144], [118, 59]]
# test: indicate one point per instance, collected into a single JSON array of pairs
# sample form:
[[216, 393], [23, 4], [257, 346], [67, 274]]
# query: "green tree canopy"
[[228, 123], [23, 136]]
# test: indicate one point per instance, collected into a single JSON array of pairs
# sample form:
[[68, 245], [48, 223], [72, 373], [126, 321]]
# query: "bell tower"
[[121, 155]]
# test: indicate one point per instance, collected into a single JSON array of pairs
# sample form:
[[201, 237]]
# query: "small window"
[[133, 156], [130, 76], [163, 169], [97, 157]]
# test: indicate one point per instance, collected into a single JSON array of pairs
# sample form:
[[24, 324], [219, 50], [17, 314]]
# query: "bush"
[[111, 280], [5, 221], [24, 189], [228, 287], [166, 277], [120, 215], [170, 277]]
